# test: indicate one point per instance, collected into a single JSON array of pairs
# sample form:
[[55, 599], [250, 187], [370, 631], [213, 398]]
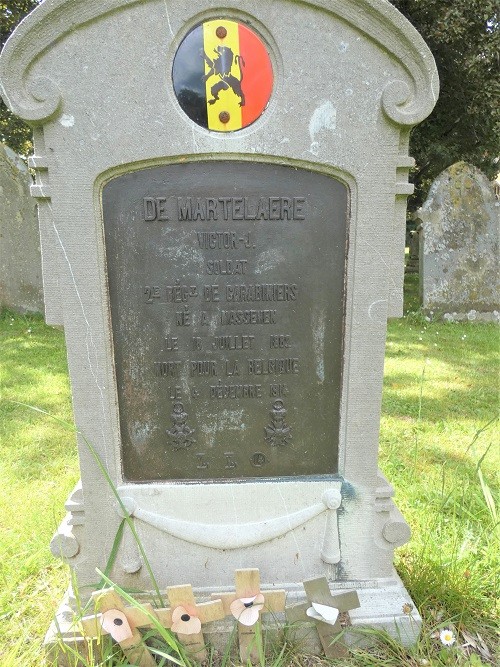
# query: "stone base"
[[385, 605], [471, 316]]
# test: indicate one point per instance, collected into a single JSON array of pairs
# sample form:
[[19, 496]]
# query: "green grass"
[[38, 468], [439, 448]]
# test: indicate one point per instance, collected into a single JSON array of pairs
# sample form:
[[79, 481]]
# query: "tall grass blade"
[[114, 551], [488, 497]]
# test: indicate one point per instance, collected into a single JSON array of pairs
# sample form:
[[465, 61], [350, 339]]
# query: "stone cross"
[[247, 596], [121, 623], [326, 620], [185, 617]]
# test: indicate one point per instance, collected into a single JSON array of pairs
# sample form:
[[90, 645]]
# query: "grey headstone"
[[20, 264], [116, 155], [460, 242]]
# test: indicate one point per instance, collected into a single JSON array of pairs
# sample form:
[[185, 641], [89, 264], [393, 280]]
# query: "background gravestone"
[[223, 294], [459, 270], [20, 263], [413, 243]]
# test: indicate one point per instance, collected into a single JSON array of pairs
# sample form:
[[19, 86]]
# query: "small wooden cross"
[[247, 587], [121, 623], [318, 591], [184, 611]]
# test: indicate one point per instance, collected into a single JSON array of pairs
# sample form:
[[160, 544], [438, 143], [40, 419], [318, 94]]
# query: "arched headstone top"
[[40, 99]]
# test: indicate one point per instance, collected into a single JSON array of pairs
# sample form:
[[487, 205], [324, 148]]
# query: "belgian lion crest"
[[220, 67]]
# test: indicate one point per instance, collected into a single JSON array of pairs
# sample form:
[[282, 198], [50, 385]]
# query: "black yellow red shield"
[[222, 75]]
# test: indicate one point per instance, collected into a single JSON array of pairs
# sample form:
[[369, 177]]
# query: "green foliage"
[[13, 131], [464, 37], [11, 13]]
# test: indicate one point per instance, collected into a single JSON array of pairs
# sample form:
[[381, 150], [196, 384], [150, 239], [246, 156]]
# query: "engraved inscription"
[[227, 267], [247, 317], [224, 240], [261, 292], [230, 462], [151, 293], [240, 342], [183, 317], [167, 369], [180, 293], [280, 341], [155, 208], [240, 208], [226, 283], [273, 366], [221, 390], [277, 390], [203, 368], [171, 343], [232, 367], [174, 393]]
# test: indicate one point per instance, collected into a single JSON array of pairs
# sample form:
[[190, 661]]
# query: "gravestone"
[[459, 272], [208, 183], [20, 263], [412, 262]]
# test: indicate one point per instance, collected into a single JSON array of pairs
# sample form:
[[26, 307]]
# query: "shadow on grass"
[[34, 371], [440, 371], [475, 403]]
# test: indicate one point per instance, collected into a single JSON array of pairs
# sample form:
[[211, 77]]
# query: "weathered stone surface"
[[20, 263], [459, 276]]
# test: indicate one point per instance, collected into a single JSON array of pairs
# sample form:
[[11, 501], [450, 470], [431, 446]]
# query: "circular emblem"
[[222, 75], [258, 459]]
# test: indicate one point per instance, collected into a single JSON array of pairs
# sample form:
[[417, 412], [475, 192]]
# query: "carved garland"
[[238, 536]]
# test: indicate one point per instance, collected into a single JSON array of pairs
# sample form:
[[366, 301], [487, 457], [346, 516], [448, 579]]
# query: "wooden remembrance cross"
[[248, 587], [184, 617], [121, 623], [318, 591], [182, 598]]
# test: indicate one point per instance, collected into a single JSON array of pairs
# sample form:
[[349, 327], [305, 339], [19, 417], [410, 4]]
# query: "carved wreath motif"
[[278, 433], [179, 435]]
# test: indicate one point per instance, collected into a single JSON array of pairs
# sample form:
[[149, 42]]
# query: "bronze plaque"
[[226, 283]]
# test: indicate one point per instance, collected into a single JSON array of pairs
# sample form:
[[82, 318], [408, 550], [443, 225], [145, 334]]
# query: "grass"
[[439, 448], [38, 468]]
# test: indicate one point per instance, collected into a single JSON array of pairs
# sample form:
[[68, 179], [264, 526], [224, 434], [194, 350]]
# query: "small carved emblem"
[[278, 433], [180, 434], [258, 459]]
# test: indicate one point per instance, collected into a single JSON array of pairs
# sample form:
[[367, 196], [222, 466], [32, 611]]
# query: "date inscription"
[[226, 283]]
